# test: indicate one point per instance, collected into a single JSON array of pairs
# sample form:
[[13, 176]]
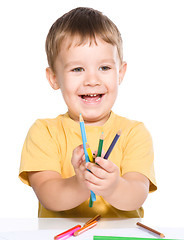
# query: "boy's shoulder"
[[127, 122], [42, 125], [53, 125], [51, 122], [47, 122], [129, 126]]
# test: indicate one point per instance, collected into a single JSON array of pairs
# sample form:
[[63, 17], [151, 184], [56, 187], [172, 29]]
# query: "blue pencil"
[[112, 144], [84, 140]]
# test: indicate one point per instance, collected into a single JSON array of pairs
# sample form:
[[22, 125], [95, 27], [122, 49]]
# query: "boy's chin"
[[94, 118]]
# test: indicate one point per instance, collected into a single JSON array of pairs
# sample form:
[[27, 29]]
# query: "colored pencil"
[[100, 145], [112, 144], [150, 229], [96, 218], [84, 140], [67, 233], [85, 228], [90, 155], [90, 202]]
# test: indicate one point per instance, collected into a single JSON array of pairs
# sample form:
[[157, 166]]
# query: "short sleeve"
[[40, 151], [138, 154]]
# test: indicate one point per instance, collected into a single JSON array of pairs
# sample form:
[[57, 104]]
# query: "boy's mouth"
[[91, 98]]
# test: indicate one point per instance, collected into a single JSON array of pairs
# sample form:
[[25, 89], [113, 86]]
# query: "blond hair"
[[85, 23]]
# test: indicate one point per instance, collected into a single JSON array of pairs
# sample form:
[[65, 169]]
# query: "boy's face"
[[88, 76]]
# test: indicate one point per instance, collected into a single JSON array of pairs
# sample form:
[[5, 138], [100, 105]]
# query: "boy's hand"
[[78, 162], [103, 178]]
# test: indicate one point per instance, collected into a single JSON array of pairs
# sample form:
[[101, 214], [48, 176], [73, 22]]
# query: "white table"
[[56, 224]]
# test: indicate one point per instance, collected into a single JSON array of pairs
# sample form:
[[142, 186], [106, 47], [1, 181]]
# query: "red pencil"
[[67, 233]]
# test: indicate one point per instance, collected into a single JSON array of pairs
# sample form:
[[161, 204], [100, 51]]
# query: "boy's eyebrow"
[[112, 61], [72, 63], [108, 60]]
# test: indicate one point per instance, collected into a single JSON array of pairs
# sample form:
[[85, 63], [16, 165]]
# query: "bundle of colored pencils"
[[88, 153]]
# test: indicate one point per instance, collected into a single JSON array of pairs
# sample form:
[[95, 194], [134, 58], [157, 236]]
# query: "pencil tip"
[[81, 118], [162, 235], [119, 132]]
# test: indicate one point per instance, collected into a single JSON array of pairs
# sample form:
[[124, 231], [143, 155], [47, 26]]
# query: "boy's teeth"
[[91, 97], [95, 100]]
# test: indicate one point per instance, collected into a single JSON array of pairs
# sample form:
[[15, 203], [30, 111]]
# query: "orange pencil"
[[85, 228], [96, 218], [150, 229]]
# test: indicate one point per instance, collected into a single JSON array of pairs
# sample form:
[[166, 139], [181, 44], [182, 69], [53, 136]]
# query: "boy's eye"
[[104, 68], [78, 69]]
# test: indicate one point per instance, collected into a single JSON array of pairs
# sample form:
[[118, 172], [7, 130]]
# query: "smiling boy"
[[88, 76], [84, 51]]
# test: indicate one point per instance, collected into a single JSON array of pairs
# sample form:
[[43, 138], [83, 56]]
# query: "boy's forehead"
[[69, 44], [70, 48], [75, 41]]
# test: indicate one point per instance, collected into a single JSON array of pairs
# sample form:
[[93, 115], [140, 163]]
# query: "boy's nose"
[[92, 80]]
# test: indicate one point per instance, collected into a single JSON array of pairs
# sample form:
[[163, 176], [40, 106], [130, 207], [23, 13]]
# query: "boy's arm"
[[125, 193], [56, 193], [131, 192]]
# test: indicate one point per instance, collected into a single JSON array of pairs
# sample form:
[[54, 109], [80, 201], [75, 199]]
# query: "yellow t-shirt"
[[50, 143]]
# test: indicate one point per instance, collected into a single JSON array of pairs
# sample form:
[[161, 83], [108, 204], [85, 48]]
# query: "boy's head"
[[85, 24], [84, 50]]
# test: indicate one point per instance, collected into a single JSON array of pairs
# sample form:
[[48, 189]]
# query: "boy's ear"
[[51, 77], [122, 72]]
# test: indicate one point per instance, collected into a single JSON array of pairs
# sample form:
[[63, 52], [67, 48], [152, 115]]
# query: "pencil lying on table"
[[71, 232], [85, 228], [68, 233], [96, 218], [150, 229]]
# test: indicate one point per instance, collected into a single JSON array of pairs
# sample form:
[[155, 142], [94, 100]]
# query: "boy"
[[84, 51]]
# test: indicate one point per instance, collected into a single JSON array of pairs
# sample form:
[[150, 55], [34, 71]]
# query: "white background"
[[152, 91]]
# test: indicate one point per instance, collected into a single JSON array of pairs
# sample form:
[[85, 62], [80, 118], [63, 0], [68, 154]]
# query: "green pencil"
[[100, 145]]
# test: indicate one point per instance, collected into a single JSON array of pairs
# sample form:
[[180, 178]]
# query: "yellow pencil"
[[90, 155]]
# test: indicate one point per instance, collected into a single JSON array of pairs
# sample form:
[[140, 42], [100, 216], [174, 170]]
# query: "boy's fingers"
[[96, 170], [91, 178], [103, 153], [77, 156], [83, 158], [105, 164], [78, 150], [95, 154]]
